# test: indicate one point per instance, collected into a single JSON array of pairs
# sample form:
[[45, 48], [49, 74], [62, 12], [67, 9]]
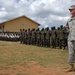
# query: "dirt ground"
[[32, 68]]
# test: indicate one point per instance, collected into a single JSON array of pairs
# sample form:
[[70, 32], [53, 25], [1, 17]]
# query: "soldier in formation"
[[53, 37]]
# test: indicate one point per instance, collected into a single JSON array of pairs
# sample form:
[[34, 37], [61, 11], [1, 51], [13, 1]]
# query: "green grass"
[[12, 53]]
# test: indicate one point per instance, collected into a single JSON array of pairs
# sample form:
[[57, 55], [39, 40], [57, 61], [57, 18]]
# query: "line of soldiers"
[[59, 37], [10, 36], [45, 37], [35, 37]]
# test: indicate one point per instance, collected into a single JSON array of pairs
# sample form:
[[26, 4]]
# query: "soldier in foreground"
[[71, 39]]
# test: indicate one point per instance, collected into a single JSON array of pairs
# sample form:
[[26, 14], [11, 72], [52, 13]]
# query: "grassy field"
[[12, 53]]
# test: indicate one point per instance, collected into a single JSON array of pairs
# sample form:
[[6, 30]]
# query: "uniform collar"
[[72, 18]]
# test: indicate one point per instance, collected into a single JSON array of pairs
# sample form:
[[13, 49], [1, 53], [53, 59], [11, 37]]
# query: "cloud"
[[46, 12]]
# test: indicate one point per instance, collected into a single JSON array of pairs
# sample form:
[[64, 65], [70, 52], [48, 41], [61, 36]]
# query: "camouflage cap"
[[72, 7]]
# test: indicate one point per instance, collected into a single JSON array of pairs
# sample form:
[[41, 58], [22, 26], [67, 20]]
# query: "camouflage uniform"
[[53, 37], [71, 39], [47, 41], [38, 37], [25, 37], [21, 37], [33, 39], [60, 36], [42, 37], [65, 37], [29, 37]]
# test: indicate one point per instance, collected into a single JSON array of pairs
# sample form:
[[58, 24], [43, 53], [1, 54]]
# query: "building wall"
[[19, 23], [2, 28]]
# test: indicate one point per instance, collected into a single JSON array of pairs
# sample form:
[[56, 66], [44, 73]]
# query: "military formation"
[[54, 38], [9, 36]]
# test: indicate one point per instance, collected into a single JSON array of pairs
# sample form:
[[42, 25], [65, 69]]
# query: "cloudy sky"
[[47, 13]]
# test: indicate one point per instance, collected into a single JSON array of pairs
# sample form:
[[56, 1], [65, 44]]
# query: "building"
[[16, 24]]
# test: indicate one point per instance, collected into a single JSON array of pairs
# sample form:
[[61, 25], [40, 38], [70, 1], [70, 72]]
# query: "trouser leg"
[[71, 47]]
